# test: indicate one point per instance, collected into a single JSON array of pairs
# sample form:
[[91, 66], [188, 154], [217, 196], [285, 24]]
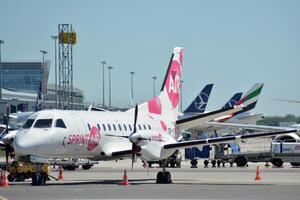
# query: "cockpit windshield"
[[43, 123], [60, 123], [28, 123]]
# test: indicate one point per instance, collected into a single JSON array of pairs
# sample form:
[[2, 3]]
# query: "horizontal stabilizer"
[[249, 126], [195, 121]]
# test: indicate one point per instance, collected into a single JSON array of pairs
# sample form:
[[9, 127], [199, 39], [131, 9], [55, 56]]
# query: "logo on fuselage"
[[94, 139], [90, 140]]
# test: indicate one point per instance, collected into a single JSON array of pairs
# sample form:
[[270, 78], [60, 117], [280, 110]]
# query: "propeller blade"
[[133, 155], [135, 118], [134, 145]]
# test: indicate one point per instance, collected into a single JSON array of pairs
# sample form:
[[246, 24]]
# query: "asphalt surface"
[[101, 182]]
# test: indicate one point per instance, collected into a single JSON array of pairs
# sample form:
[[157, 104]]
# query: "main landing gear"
[[163, 177]]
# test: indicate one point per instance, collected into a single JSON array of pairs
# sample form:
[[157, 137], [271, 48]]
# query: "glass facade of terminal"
[[24, 76]]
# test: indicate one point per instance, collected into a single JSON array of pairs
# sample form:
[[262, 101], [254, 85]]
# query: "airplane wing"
[[202, 142], [286, 100], [197, 121], [117, 149], [249, 126]]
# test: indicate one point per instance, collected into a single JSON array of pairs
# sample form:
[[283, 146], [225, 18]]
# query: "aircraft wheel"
[[167, 178], [241, 161], [213, 162], [219, 163], [159, 177], [205, 162], [194, 163], [163, 178], [277, 162]]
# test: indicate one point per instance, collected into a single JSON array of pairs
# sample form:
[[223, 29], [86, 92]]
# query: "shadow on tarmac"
[[136, 182]]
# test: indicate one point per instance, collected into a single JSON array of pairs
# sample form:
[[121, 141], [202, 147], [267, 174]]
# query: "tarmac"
[[102, 182]]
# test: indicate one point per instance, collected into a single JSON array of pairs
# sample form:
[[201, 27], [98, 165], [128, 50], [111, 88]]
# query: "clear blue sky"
[[230, 43]]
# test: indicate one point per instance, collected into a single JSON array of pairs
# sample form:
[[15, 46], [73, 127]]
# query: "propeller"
[[132, 139]]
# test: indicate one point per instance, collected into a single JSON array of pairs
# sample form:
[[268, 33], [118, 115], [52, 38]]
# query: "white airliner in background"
[[149, 131]]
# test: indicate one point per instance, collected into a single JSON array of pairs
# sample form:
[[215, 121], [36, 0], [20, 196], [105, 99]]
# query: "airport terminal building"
[[20, 83], [25, 76]]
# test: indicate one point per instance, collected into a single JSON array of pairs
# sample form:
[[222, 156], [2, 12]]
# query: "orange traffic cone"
[[257, 177], [125, 179], [3, 180], [60, 175]]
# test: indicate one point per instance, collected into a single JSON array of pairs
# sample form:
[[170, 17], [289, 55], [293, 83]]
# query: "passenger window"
[[60, 123], [28, 123], [130, 127], [108, 125], [43, 123], [98, 127], [149, 127], [125, 128], [144, 126], [140, 127], [114, 127], [120, 128], [89, 126], [104, 128]]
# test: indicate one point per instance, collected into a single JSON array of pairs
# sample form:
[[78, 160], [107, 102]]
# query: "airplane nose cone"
[[22, 143], [27, 142]]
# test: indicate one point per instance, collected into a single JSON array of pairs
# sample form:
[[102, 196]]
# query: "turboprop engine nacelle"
[[152, 145]]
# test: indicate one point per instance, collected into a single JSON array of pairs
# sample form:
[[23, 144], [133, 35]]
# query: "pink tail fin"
[[167, 103]]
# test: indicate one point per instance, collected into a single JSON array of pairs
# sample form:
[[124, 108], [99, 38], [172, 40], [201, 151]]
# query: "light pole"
[[154, 78], [54, 37], [1, 42], [131, 77], [181, 84], [103, 84], [43, 84], [109, 83]]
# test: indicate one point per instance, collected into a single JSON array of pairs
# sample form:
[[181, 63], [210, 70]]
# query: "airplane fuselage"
[[88, 134]]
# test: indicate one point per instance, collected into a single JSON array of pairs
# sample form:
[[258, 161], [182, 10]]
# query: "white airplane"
[[148, 131], [283, 137]]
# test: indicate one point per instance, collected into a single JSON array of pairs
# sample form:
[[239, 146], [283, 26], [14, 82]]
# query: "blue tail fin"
[[233, 100], [199, 104], [39, 100]]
